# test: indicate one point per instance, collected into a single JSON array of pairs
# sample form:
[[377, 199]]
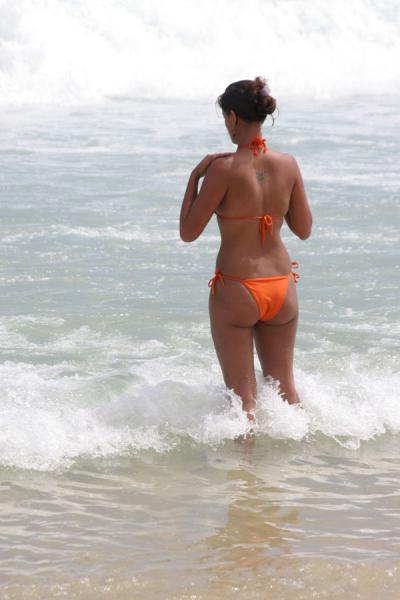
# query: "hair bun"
[[265, 102], [250, 99]]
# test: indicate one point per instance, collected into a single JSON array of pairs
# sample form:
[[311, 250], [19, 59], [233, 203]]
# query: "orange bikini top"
[[266, 222], [265, 226]]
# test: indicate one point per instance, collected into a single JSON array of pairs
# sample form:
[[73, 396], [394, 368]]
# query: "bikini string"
[[213, 280], [218, 275], [295, 265], [266, 224]]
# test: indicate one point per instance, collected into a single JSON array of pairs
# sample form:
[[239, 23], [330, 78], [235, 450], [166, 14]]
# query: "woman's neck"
[[244, 138]]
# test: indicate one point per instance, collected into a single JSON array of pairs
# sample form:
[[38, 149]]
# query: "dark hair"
[[249, 99]]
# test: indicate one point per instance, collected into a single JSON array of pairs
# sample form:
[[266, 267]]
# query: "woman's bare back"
[[257, 186]]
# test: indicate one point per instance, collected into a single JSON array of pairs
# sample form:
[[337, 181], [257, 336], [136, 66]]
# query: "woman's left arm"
[[198, 207]]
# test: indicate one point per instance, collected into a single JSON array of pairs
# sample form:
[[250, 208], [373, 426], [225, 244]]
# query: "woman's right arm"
[[299, 217]]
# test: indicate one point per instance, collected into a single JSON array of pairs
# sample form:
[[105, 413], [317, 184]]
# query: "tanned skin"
[[240, 183]]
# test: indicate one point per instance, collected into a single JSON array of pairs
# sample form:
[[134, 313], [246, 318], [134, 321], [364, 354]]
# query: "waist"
[[275, 262]]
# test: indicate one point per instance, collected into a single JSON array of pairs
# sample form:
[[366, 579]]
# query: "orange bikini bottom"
[[268, 292]]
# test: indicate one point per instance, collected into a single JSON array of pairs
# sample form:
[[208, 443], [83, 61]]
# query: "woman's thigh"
[[233, 313], [275, 338]]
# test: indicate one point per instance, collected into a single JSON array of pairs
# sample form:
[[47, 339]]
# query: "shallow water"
[[296, 519], [120, 474]]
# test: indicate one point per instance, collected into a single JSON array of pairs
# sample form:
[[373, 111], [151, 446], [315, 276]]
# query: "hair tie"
[[265, 91]]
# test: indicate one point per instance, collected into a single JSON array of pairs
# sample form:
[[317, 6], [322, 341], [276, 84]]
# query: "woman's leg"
[[275, 340], [233, 313]]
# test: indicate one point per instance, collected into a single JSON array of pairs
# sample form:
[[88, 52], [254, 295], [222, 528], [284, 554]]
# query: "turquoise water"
[[119, 470]]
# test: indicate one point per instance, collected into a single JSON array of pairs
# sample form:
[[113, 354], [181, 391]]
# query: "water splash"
[[125, 49]]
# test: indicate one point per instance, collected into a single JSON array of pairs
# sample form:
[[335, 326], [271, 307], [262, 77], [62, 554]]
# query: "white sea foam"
[[72, 52], [53, 414], [122, 233]]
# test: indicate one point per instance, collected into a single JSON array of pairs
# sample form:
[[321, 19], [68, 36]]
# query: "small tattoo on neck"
[[261, 175]]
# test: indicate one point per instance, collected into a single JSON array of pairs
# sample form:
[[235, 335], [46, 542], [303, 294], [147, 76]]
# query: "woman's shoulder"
[[236, 161], [283, 160], [281, 156]]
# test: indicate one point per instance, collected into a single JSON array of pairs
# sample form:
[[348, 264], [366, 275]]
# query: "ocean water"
[[120, 476]]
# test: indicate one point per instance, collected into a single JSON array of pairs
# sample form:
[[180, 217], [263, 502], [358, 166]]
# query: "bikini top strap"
[[248, 217], [266, 225], [265, 222]]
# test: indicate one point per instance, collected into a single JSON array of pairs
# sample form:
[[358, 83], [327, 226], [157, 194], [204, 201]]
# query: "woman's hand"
[[201, 169]]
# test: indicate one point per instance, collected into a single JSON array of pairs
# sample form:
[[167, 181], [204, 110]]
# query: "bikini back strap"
[[248, 217], [266, 225], [265, 222]]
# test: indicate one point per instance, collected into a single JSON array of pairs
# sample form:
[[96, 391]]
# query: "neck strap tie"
[[257, 144]]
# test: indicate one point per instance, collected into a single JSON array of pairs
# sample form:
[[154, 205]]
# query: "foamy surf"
[[125, 50], [51, 415]]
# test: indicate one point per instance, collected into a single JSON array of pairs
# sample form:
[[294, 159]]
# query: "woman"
[[253, 293]]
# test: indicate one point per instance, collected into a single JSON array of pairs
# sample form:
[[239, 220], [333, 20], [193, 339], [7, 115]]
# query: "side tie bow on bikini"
[[219, 275]]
